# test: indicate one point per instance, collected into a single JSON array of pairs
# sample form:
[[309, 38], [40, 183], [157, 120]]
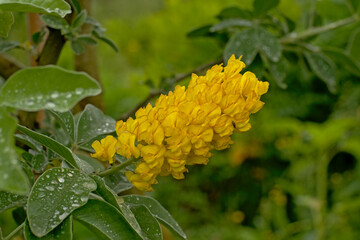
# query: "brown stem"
[[157, 92], [87, 62], [8, 66]]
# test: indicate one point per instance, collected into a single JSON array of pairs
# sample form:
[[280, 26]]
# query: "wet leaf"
[[58, 7], [10, 168], [268, 44], [55, 195], [9, 200], [157, 211], [28, 141], [118, 182], [148, 223], [50, 143], [94, 163], [249, 42], [242, 44], [92, 123], [61, 232], [48, 87], [54, 21], [103, 218], [105, 192], [66, 120]]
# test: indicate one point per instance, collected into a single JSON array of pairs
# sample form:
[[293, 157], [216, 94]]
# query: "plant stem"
[[117, 168], [13, 233], [292, 37]]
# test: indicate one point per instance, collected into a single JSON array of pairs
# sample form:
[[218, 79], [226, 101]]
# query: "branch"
[[156, 92], [52, 48], [8, 66], [293, 37], [117, 167]]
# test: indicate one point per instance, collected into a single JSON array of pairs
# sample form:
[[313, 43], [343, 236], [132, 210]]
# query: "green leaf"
[[148, 223], [130, 217], [38, 37], [61, 232], [58, 7], [28, 141], [66, 120], [8, 45], [76, 5], [109, 196], [10, 200], [249, 42], [203, 31], [228, 23], [105, 192], [6, 21], [92, 123], [50, 143], [118, 182], [39, 162], [95, 164], [354, 44], [106, 219], [87, 40], [268, 44], [323, 67], [242, 43], [54, 21], [77, 47], [345, 60], [234, 12], [157, 211], [106, 40], [80, 19], [48, 87], [278, 70], [54, 196], [261, 7], [10, 168]]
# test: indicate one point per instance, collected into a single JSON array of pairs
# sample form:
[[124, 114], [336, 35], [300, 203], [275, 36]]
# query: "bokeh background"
[[295, 174]]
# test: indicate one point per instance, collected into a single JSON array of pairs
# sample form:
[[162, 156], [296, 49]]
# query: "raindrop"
[[61, 179], [55, 95], [50, 188], [62, 216], [79, 91], [50, 105]]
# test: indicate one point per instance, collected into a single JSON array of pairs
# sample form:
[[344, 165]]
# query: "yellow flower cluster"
[[185, 125]]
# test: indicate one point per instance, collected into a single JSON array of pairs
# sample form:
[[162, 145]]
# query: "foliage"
[[49, 176], [294, 175]]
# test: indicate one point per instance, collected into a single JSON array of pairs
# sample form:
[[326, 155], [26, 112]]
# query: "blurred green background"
[[295, 174]]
